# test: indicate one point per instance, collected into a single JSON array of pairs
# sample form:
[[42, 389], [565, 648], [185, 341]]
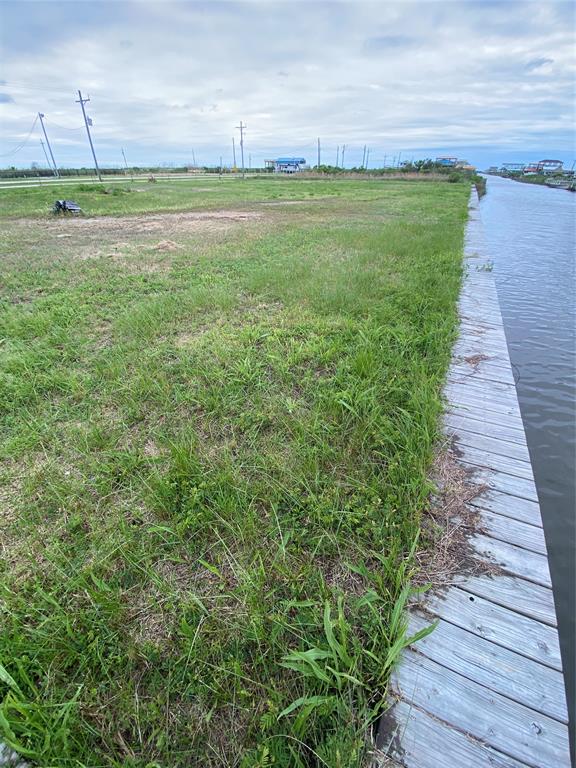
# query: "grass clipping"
[[448, 523]]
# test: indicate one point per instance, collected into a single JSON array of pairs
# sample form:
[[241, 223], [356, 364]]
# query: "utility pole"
[[343, 150], [242, 128], [337, 156], [364, 157], [126, 164], [384, 166], [41, 116], [234, 152], [250, 161], [82, 101], [193, 159], [318, 166], [399, 156], [46, 156], [367, 156]]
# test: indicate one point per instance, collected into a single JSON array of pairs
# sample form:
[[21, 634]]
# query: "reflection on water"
[[530, 232]]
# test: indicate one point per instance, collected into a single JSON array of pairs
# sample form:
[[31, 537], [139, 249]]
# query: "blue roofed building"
[[447, 162], [287, 164]]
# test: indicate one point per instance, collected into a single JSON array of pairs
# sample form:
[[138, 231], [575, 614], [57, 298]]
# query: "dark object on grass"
[[66, 206]]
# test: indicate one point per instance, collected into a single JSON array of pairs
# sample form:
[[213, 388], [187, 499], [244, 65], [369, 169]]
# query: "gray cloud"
[[535, 64], [5, 98], [166, 77]]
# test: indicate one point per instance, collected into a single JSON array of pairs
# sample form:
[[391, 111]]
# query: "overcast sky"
[[488, 81]]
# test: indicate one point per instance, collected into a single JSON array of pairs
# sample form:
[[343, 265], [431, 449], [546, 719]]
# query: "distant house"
[[531, 170], [464, 165], [288, 164], [447, 162], [513, 168], [550, 166]]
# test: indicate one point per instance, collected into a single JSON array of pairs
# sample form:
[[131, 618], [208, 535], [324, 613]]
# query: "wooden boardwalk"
[[486, 687]]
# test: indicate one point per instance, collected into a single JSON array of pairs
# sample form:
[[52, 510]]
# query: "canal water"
[[530, 233]]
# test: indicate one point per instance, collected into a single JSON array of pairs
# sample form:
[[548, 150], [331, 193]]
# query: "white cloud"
[[167, 77]]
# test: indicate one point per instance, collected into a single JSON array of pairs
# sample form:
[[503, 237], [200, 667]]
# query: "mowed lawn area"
[[220, 402]]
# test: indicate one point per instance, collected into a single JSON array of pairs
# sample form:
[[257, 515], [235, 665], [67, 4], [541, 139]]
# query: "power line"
[[18, 86], [22, 143], [63, 127]]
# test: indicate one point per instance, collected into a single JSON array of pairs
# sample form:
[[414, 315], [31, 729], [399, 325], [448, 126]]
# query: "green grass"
[[213, 462], [142, 196]]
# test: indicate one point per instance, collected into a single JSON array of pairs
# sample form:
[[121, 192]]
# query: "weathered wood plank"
[[511, 630], [481, 372], [499, 481], [428, 743], [514, 532], [514, 560], [505, 725], [519, 595], [477, 392], [487, 304], [505, 393], [470, 296], [510, 506], [486, 365], [483, 459], [485, 338], [494, 667], [489, 444], [473, 411], [9, 758], [456, 395], [469, 347], [491, 335], [468, 310], [484, 330], [507, 432]]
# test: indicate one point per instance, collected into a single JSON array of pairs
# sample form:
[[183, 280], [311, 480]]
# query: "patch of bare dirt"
[[151, 450], [156, 222], [147, 620], [340, 578], [166, 245]]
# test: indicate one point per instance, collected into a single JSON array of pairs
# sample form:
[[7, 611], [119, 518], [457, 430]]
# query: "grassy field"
[[216, 430], [142, 196]]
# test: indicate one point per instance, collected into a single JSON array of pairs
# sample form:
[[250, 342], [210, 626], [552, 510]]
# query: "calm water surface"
[[530, 232]]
